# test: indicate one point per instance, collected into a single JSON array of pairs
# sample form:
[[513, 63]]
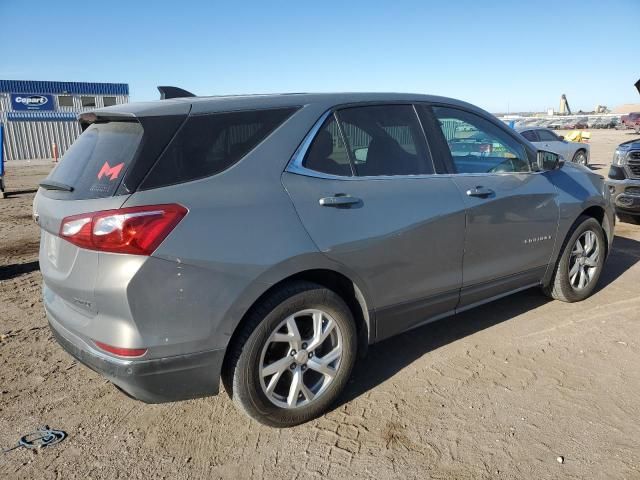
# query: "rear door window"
[[328, 153], [211, 143], [547, 136], [385, 140], [97, 161]]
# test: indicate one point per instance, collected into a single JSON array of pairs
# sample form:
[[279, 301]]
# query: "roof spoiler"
[[173, 92], [86, 119]]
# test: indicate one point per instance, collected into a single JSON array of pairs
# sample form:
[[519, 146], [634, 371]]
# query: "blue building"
[[36, 114]]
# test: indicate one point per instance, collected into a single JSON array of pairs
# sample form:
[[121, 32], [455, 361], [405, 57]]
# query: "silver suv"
[[547, 139], [266, 240]]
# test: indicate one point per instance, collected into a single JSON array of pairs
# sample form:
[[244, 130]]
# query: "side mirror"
[[549, 160], [561, 137]]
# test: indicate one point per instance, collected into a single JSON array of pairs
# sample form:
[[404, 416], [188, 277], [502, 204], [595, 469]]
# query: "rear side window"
[[530, 135], [385, 140], [209, 144], [97, 161], [327, 153]]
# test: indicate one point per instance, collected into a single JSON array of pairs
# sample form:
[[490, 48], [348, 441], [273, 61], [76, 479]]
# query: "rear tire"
[[282, 335], [580, 264], [580, 157], [627, 218]]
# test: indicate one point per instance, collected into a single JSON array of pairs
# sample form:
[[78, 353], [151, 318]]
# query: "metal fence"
[[35, 139]]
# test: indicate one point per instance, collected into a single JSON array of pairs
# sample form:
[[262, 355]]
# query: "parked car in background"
[[632, 121], [592, 122], [611, 122], [576, 124], [268, 240], [547, 139], [555, 124], [606, 122], [624, 181]]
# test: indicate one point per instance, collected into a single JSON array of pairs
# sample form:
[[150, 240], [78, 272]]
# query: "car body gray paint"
[[230, 248]]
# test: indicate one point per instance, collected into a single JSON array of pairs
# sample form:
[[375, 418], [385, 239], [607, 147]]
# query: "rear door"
[[512, 212], [366, 192]]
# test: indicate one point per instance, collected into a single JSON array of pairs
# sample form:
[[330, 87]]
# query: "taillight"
[[120, 351], [133, 230]]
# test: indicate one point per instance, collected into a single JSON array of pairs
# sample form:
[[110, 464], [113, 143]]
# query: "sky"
[[500, 55]]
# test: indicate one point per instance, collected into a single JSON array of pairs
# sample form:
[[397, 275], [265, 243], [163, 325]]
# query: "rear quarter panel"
[[241, 236]]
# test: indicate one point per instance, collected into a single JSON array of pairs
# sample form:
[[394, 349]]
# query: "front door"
[[373, 204], [512, 212]]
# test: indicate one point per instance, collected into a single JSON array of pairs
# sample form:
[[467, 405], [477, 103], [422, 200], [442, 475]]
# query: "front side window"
[[327, 153], [479, 146], [547, 136], [385, 140]]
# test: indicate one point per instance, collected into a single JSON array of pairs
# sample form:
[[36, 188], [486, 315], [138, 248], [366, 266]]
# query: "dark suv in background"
[[624, 181], [624, 174]]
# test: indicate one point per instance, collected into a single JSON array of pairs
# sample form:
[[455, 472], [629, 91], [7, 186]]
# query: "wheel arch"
[[598, 212], [329, 278], [594, 211]]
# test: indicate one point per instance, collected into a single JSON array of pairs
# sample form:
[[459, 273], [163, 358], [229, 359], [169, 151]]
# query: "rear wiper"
[[53, 185]]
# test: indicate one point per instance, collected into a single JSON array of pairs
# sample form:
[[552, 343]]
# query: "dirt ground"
[[498, 392]]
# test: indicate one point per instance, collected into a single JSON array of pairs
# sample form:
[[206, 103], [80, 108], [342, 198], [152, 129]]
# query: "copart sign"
[[32, 101]]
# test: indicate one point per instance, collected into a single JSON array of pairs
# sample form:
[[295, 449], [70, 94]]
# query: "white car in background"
[[546, 139]]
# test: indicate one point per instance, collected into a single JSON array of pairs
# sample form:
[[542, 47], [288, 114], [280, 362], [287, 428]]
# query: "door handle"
[[480, 191], [339, 200]]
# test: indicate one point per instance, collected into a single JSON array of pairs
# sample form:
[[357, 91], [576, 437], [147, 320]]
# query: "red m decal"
[[112, 172]]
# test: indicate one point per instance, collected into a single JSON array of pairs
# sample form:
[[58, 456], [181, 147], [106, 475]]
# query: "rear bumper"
[[152, 381]]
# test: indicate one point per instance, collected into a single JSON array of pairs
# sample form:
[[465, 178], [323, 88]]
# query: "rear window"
[[97, 161], [209, 144]]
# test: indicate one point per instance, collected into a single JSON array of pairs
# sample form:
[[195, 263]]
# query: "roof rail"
[[173, 92]]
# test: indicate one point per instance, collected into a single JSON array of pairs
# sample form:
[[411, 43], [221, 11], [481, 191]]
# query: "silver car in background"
[[267, 240], [547, 139]]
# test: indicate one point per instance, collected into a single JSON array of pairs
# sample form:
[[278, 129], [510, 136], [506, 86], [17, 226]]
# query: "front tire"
[[580, 265], [293, 356]]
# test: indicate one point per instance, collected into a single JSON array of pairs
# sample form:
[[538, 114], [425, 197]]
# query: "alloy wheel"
[[301, 358], [583, 263], [581, 158]]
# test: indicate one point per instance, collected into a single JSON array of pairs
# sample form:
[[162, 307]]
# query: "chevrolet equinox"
[[264, 240]]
